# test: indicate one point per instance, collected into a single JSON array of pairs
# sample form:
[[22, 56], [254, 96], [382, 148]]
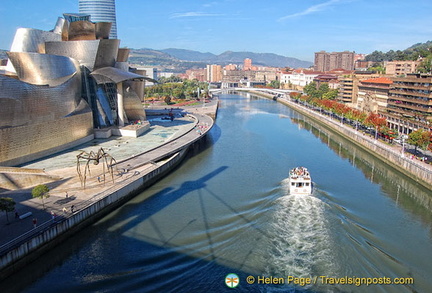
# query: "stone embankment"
[[418, 171]]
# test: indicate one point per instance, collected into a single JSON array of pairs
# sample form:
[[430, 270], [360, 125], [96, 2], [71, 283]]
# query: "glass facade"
[[100, 11]]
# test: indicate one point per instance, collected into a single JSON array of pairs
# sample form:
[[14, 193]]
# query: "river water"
[[227, 210]]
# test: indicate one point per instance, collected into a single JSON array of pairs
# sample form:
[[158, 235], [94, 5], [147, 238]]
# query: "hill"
[[162, 61], [188, 55], [415, 52], [263, 59], [179, 60]]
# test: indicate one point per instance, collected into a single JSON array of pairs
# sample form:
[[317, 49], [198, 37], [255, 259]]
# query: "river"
[[227, 210]]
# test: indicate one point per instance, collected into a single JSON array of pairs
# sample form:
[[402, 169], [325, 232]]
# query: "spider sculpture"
[[101, 155]]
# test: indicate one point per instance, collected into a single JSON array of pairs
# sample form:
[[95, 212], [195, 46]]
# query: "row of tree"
[[7, 204], [323, 98]]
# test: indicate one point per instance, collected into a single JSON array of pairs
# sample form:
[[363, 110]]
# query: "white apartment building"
[[299, 77]]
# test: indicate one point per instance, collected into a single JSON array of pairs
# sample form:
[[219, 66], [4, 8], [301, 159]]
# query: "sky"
[[292, 28]]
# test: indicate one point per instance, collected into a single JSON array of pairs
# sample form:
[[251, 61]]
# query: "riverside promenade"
[[140, 162]]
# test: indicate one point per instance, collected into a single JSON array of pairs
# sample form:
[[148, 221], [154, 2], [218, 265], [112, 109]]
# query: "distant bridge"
[[275, 92]]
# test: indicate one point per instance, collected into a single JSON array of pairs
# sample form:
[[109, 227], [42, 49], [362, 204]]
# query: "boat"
[[300, 181]]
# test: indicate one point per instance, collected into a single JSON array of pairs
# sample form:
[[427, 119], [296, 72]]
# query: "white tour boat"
[[300, 181]]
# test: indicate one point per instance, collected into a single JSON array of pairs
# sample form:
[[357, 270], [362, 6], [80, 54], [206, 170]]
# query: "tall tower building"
[[325, 61], [247, 64], [100, 11]]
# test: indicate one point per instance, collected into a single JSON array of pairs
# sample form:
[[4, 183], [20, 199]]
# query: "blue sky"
[[286, 27]]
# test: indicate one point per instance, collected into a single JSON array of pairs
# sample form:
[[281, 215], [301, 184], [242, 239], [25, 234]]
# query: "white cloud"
[[310, 10]]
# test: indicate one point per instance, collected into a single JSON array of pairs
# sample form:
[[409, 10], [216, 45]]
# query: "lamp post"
[[403, 145]]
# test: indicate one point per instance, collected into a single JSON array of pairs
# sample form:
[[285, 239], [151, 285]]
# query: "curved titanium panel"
[[32, 40], [103, 30], [133, 106], [91, 53], [123, 55], [107, 53], [113, 75], [58, 28], [81, 30], [41, 69], [123, 66], [24, 103]]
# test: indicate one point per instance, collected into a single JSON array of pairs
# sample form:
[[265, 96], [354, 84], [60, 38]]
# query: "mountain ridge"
[[189, 59]]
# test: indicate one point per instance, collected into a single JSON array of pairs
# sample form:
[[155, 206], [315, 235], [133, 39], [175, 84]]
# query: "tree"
[[330, 95], [172, 78], [389, 133], [275, 84], [167, 100], [7, 204], [426, 65], [376, 56], [41, 191], [311, 90], [378, 68], [419, 138], [375, 120]]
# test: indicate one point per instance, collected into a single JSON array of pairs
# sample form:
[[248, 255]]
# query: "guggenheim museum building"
[[62, 87]]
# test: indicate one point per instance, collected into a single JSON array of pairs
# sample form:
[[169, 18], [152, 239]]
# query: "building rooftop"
[[379, 80]]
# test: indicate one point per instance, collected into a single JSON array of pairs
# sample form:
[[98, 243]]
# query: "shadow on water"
[[167, 196], [84, 262]]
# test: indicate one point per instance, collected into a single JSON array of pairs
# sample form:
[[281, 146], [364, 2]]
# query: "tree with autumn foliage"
[[420, 138], [294, 95], [389, 133], [356, 115], [376, 121]]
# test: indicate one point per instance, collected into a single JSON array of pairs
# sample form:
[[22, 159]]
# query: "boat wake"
[[301, 243]]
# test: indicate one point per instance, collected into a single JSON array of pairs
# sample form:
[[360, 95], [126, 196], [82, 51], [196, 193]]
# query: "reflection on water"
[[406, 192]]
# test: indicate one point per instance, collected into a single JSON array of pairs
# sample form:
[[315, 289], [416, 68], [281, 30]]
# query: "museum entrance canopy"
[[115, 75]]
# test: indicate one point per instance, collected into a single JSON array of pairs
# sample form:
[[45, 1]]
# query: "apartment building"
[[247, 64], [401, 67], [213, 73], [410, 102], [325, 61], [330, 79], [231, 67], [299, 77], [348, 86], [373, 94], [199, 74]]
